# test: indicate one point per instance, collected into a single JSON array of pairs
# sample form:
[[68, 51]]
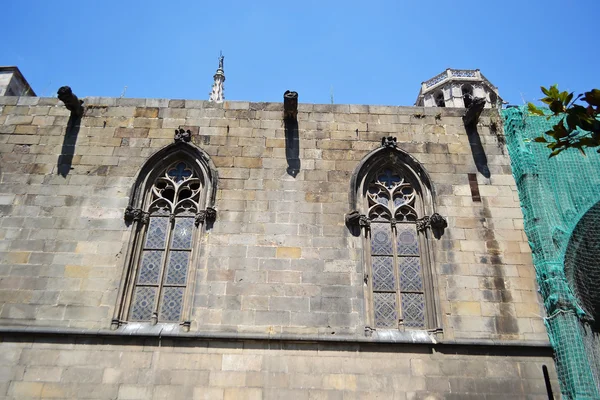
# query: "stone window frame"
[[390, 156], [137, 217]]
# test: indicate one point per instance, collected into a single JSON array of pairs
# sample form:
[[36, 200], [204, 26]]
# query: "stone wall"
[[278, 262], [166, 369], [279, 258]]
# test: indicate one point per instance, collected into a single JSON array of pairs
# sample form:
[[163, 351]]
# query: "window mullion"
[[395, 260]]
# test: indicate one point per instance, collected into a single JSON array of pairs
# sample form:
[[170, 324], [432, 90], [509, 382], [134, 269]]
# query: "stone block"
[[288, 252]]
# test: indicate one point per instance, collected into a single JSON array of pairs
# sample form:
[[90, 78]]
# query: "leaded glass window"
[[164, 261], [397, 275]]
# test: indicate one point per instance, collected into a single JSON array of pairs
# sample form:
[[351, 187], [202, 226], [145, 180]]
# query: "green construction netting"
[[560, 199]]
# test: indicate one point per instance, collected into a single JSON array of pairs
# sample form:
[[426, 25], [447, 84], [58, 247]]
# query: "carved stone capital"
[[135, 214], [422, 223], [200, 217], [436, 222], [182, 135], [364, 222], [210, 214], [388, 142]]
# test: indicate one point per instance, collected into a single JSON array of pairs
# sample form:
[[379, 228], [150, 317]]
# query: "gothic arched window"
[[397, 275], [392, 201], [167, 246], [170, 203]]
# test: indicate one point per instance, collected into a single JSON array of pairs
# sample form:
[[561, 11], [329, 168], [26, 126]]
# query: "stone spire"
[[217, 95]]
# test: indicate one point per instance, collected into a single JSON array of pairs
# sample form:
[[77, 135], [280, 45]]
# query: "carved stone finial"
[[221, 58], [73, 104], [389, 142], [217, 94], [182, 135], [290, 105]]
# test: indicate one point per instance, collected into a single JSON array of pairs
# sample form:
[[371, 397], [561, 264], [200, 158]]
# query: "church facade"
[[155, 248]]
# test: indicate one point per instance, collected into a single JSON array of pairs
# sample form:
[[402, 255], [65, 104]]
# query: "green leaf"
[[569, 98], [540, 139], [534, 110], [572, 120], [592, 97], [557, 107], [554, 153], [545, 91], [547, 100]]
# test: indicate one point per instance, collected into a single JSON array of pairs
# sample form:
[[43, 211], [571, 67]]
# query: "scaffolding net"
[[560, 199]]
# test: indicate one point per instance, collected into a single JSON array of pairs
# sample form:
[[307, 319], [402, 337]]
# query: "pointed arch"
[[170, 202], [159, 160], [392, 155], [392, 196]]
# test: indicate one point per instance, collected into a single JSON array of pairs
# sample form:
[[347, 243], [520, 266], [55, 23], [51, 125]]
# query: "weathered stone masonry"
[[279, 260]]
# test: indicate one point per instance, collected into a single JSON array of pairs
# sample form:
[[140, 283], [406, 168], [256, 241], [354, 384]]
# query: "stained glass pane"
[[177, 267], [172, 301], [179, 172], [143, 303], [413, 310], [150, 268], [410, 274], [157, 233], [399, 200], [381, 239], [383, 273], [389, 179], [182, 233], [406, 238], [385, 310]]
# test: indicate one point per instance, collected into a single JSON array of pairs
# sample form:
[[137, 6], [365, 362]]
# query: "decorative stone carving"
[[471, 117], [136, 214], [217, 94], [211, 214], [389, 142], [354, 218], [73, 104], [200, 217], [290, 105], [436, 222], [182, 135], [422, 223]]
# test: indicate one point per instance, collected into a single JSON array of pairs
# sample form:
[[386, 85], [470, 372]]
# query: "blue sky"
[[375, 52]]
